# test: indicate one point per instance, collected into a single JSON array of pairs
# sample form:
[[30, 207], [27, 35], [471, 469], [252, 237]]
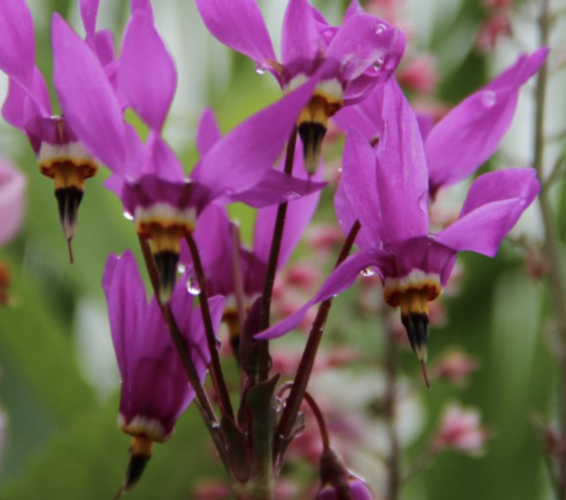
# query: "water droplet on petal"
[[214, 426], [423, 202], [291, 195], [192, 286], [128, 216], [377, 65], [489, 98], [181, 268], [260, 70], [278, 405], [380, 28], [368, 272]]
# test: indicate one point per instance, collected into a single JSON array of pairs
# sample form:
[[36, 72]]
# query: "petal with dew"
[[87, 99], [494, 204], [467, 136], [238, 24], [340, 280], [146, 72], [249, 151]]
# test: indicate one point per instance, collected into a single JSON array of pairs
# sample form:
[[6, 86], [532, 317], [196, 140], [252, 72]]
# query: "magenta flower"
[[12, 203], [155, 388], [148, 177], [60, 155], [358, 490], [353, 58], [386, 189], [469, 134]]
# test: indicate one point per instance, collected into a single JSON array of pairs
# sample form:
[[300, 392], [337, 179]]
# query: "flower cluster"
[[394, 164]]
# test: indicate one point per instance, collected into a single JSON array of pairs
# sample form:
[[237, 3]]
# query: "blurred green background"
[[59, 391]]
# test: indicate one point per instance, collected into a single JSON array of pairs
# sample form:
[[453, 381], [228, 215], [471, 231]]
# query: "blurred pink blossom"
[[12, 187], [496, 26], [419, 74], [454, 367], [461, 430]]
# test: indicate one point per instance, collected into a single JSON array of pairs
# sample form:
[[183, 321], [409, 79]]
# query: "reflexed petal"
[[468, 135], [340, 280], [127, 306], [299, 214], [12, 201], [353, 9], [17, 41], [250, 150], [402, 178], [146, 73], [89, 11], [274, 189], [301, 40], [104, 47], [208, 132], [359, 197], [160, 160], [87, 98], [143, 6], [239, 25], [494, 204], [362, 42]]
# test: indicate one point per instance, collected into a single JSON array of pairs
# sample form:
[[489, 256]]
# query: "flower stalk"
[[551, 243]]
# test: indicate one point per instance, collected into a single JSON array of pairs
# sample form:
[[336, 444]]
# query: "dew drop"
[[181, 268], [377, 65], [489, 98], [128, 216], [260, 70], [291, 195], [368, 272], [192, 286], [380, 28], [278, 405], [214, 426]]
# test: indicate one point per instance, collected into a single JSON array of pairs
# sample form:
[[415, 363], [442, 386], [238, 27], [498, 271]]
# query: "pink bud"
[[358, 490]]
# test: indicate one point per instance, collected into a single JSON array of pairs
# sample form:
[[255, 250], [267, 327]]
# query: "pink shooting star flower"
[[155, 388], [149, 178], [361, 53], [386, 190], [468, 135], [60, 155]]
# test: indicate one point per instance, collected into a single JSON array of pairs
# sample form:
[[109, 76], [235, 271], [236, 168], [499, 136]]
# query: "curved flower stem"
[[264, 360], [552, 243], [238, 278], [216, 374], [393, 465], [293, 403], [203, 402]]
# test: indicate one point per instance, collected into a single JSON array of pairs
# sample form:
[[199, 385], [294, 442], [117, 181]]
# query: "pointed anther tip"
[[70, 247], [425, 374]]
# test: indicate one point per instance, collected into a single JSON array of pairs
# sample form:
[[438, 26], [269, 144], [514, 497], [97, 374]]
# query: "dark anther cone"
[[69, 199], [312, 134], [166, 262], [416, 325], [136, 466]]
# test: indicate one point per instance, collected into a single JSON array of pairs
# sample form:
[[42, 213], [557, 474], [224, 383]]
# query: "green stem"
[[552, 242]]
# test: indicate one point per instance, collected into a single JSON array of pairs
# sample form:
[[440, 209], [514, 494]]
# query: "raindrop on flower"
[[368, 272], [278, 404], [181, 268], [489, 98], [380, 28], [377, 65], [192, 286], [214, 426], [128, 216], [260, 70], [291, 195]]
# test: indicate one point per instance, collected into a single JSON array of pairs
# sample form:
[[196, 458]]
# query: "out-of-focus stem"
[[264, 358], [552, 243], [216, 374], [293, 403], [392, 461]]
